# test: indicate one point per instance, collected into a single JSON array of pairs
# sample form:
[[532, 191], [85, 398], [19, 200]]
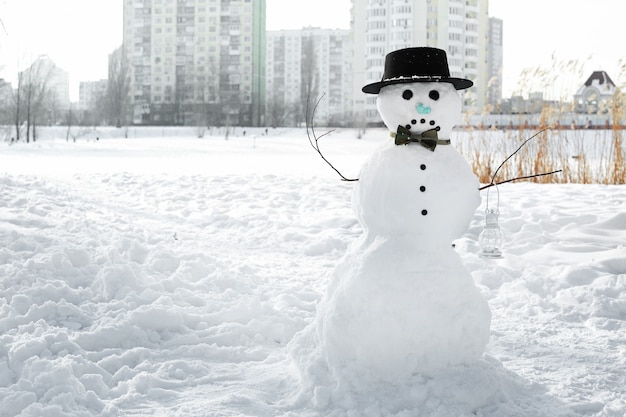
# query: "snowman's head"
[[420, 106]]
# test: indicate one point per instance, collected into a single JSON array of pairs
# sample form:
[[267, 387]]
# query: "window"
[[376, 12], [400, 23], [376, 25]]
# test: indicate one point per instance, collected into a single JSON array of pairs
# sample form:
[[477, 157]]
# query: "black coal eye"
[[407, 94], [434, 94]]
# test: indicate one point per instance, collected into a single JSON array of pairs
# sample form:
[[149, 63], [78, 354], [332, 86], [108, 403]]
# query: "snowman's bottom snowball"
[[392, 312], [461, 390]]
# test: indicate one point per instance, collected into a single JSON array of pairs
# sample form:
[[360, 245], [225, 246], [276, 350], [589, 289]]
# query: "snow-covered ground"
[[166, 277]]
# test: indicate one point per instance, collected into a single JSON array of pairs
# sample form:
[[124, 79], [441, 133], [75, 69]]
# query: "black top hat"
[[412, 65]]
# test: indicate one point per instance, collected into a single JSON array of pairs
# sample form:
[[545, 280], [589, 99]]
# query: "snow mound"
[[167, 277]]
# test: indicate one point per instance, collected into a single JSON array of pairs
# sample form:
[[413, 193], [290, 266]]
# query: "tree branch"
[[519, 178], [492, 183], [316, 138], [516, 151]]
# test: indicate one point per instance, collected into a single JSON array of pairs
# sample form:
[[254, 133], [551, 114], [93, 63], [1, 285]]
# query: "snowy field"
[[167, 276]]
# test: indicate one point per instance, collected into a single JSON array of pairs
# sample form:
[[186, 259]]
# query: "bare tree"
[[277, 111], [33, 91], [6, 91], [94, 111], [309, 76], [200, 108], [180, 96], [206, 103], [17, 106], [75, 133], [118, 88]]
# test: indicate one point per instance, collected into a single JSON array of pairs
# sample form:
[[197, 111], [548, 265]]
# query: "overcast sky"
[[79, 34]]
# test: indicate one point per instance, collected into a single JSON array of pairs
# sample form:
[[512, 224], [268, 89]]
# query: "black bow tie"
[[427, 139]]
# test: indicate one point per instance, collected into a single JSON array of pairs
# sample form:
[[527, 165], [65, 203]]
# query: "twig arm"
[[315, 140], [516, 151], [519, 178]]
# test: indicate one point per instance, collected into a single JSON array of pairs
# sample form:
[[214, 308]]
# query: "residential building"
[[196, 61], [494, 63], [90, 94], [304, 66], [457, 26], [91, 102]]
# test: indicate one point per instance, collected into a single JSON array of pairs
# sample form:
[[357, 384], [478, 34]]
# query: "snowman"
[[400, 302]]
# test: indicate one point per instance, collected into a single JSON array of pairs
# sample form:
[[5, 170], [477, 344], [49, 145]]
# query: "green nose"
[[421, 109]]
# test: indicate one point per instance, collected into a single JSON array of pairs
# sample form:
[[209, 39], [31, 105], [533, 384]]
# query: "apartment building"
[[90, 94], [494, 63], [196, 62], [308, 64], [460, 27], [92, 102]]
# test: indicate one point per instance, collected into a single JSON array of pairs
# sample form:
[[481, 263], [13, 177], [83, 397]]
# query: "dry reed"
[[585, 156]]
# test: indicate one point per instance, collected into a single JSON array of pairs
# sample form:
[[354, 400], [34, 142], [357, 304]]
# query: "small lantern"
[[490, 239]]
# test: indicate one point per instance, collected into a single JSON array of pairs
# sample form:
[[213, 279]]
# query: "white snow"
[[167, 275]]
